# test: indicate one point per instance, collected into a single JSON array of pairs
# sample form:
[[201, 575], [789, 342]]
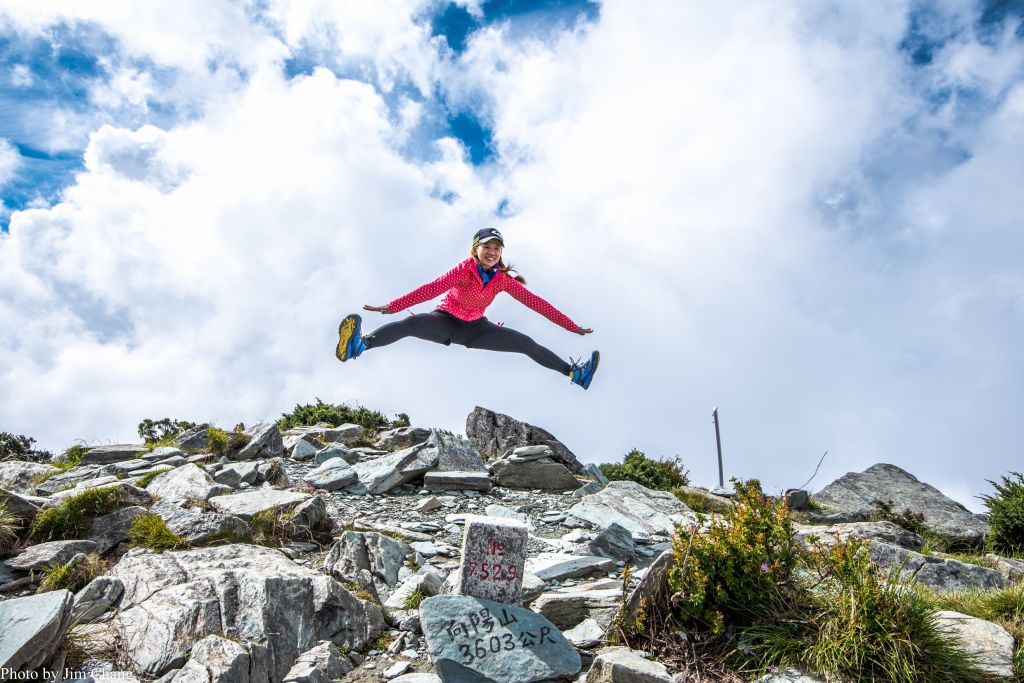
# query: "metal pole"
[[718, 440]]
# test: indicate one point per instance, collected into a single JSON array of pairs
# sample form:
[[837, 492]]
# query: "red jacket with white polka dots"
[[467, 298]]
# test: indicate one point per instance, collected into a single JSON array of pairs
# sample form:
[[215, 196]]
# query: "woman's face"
[[489, 253]]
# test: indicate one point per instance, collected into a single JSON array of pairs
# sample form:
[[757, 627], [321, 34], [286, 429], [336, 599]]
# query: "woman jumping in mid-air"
[[471, 286]]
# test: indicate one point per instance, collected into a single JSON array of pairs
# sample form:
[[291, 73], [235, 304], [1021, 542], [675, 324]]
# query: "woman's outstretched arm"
[[538, 304], [429, 290]]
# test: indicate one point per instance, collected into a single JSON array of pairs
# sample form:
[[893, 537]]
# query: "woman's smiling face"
[[489, 253]]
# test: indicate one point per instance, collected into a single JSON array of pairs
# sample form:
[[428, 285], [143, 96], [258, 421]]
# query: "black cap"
[[486, 235]]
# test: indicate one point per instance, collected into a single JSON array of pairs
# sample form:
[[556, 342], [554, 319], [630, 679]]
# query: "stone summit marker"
[[493, 557]]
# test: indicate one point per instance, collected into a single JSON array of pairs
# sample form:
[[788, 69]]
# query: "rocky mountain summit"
[[328, 553]]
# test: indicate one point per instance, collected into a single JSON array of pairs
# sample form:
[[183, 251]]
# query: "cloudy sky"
[[806, 213]]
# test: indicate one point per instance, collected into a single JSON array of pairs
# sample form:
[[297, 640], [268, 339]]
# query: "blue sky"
[[804, 214]]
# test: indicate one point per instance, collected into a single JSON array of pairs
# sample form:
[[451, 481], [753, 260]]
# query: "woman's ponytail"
[[511, 272]]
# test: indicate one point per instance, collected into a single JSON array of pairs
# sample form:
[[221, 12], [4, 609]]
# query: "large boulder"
[[401, 437], [455, 454], [71, 478], [111, 529], [195, 439], [265, 442], [368, 551], [44, 555], [527, 472], [495, 435], [856, 493], [250, 594], [389, 471], [940, 574], [20, 477], [569, 608], [331, 475], [645, 513], [884, 531], [186, 482], [22, 506], [990, 643], [248, 504], [198, 526], [103, 455], [33, 630]]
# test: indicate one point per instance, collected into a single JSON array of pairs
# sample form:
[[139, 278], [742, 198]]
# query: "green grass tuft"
[[150, 531], [69, 459], [72, 575], [72, 518], [413, 600], [9, 527], [148, 477]]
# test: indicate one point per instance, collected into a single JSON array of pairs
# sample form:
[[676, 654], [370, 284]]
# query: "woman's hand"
[[583, 330], [378, 309]]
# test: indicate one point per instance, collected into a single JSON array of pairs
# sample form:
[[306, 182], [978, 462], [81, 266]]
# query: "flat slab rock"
[[991, 643], [33, 627], [457, 481], [250, 503], [388, 471], [884, 531], [855, 492], [939, 574], [623, 665], [187, 481], [472, 640], [558, 566], [645, 513], [17, 476], [45, 555]]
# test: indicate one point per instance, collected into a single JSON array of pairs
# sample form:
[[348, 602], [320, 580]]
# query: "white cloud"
[[21, 77], [10, 160], [668, 168]]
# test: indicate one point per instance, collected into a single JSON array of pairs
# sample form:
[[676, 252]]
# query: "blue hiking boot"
[[583, 373], [350, 338]]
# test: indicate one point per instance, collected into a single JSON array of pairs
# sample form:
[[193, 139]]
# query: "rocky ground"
[[308, 552]]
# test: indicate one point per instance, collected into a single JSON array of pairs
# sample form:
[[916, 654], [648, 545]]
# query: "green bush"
[[162, 431], [722, 577], [335, 415], [20, 448], [225, 443], [70, 459], [660, 475], [1006, 515], [150, 531], [9, 526], [72, 575], [72, 519]]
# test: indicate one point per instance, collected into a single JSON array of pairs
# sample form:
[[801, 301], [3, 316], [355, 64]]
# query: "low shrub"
[[70, 459], [20, 448], [72, 575], [908, 519], [1006, 515], [163, 431], [339, 414], [225, 443], [660, 475], [148, 477], [150, 531], [9, 527], [72, 518]]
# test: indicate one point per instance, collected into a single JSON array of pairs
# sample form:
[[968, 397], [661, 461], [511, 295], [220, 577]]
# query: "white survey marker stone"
[[493, 556]]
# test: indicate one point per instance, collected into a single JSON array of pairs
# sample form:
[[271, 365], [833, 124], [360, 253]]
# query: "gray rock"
[[586, 634], [195, 439], [250, 593], [1010, 568], [186, 482], [162, 453], [96, 598], [215, 660], [653, 588], [307, 516], [417, 678], [272, 472], [20, 477], [401, 437], [22, 506], [788, 676], [347, 434], [127, 467], [266, 443], [332, 475], [380, 555], [797, 498], [939, 574], [533, 588], [302, 450], [396, 669], [45, 555], [389, 471], [109, 530], [320, 664], [544, 473], [477, 640], [455, 454], [425, 580], [495, 434], [559, 566], [990, 643], [104, 455], [587, 489], [335, 450], [237, 473], [428, 504], [594, 472], [69, 479], [33, 629], [199, 526], [862, 531], [247, 504], [645, 513], [615, 542], [457, 481], [856, 492], [569, 608], [622, 665]]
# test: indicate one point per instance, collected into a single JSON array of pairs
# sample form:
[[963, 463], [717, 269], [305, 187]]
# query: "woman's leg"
[[433, 326], [486, 335]]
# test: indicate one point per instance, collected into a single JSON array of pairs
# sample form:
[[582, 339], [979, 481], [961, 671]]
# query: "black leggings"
[[444, 328]]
